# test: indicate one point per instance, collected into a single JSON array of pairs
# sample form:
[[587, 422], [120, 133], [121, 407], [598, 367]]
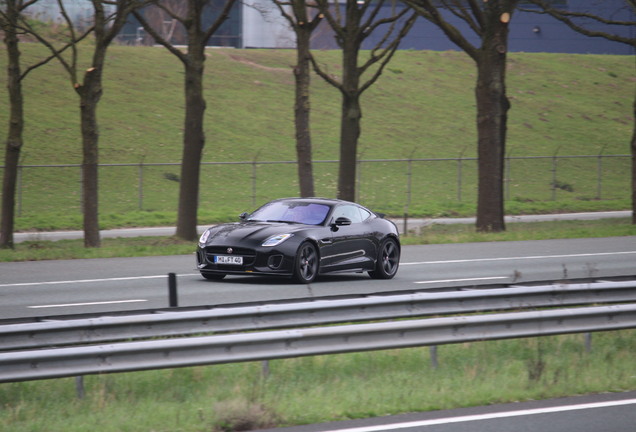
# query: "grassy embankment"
[[422, 107]]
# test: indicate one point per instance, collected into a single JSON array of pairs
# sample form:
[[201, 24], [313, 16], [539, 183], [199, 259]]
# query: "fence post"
[[141, 184], [554, 173], [409, 182], [19, 180], [358, 176], [507, 176], [599, 173], [254, 162], [460, 159]]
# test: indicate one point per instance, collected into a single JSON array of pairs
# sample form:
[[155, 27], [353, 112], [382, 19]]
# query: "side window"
[[349, 211]]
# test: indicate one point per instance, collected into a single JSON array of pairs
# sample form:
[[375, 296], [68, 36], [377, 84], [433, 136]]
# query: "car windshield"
[[292, 212]]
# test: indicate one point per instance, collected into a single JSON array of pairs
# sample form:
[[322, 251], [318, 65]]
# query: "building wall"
[[529, 32], [258, 24], [265, 27]]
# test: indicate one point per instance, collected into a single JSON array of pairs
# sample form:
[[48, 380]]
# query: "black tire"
[[306, 264], [388, 260], [212, 276]]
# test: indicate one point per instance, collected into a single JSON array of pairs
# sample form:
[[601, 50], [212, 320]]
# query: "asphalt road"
[[613, 412], [100, 285]]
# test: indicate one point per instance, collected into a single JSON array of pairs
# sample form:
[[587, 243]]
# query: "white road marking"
[[67, 282], [520, 258], [489, 416], [87, 304], [463, 280]]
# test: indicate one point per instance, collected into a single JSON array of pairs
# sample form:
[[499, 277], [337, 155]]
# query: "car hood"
[[248, 232]]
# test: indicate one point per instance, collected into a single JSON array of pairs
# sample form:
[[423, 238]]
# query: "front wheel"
[[388, 260], [306, 264]]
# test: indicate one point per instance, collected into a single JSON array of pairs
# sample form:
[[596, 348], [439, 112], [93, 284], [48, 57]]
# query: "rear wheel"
[[388, 260], [306, 265]]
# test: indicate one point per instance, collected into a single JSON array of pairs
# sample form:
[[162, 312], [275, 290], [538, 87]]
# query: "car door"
[[351, 245]]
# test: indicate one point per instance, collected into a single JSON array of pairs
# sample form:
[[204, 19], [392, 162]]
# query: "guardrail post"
[[172, 290], [433, 351], [79, 386]]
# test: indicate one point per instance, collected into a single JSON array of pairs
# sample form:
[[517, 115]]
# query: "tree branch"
[[566, 18], [220, 20], [388, 53], [159, 39], [426, 9]]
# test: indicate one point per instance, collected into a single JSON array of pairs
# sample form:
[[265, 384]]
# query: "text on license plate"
[[228, 259]]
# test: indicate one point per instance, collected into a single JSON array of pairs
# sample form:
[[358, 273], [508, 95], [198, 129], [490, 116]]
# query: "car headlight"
[[204, 237], [275, 240]]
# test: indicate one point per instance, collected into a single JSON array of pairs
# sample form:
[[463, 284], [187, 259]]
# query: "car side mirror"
[[341, 221], [243, 215]]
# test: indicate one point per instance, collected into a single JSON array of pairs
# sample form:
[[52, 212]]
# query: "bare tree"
[[303, 21], [13, 25], [593, 25], [352, 26], [9, 22], [489, 21], [190, 16], [106, 26]]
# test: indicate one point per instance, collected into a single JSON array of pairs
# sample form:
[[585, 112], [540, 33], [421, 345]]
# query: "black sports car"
[[301, 238]]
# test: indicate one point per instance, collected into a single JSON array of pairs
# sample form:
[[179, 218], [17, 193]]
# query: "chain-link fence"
[[389, 185]]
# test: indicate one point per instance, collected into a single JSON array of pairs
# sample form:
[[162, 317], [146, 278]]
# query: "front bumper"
[[263, 262]]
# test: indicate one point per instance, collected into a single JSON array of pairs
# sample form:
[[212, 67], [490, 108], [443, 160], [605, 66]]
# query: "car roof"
[[329, 201]]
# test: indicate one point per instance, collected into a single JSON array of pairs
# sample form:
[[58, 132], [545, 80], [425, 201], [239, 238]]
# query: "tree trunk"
[[14, 137], [634, 168], [350, 122], [349, 134], [492, 114], [90, 94], [193, 142], [301, 112]]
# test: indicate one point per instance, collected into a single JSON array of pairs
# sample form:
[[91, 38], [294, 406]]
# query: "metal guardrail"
[[276, 344], [321, 312], [67, 348]]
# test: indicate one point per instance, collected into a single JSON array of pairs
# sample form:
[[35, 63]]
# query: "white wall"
[[265, 27]]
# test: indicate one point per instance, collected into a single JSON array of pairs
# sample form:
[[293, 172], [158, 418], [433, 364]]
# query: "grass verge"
[[317, 389]]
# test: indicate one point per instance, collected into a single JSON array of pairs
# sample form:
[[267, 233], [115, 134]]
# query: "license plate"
[[228, 259]]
